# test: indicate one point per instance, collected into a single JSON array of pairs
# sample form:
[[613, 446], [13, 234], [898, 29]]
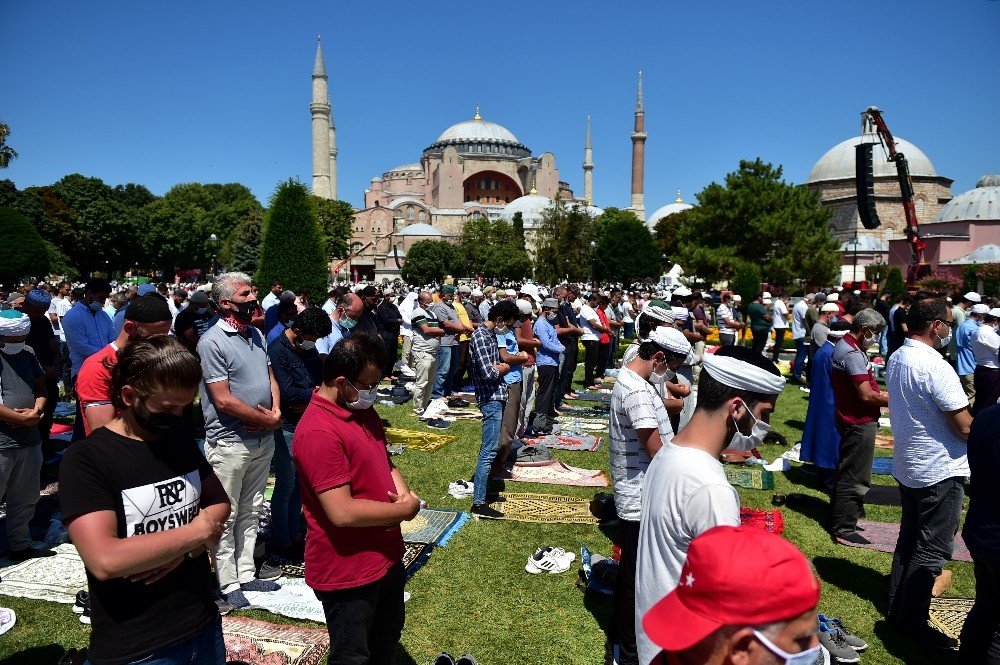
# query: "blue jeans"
[[442, 384], [883, 341], [799, 364], [492, 417], [205, 648], [286, 500]]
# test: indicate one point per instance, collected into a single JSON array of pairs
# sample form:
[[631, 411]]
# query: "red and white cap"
[[733, 576]]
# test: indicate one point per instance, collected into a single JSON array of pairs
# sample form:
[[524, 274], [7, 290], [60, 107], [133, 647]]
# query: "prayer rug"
[[433, 526], [415, 557], [882, 466], [251, 642], [293, 569], [594, 397], [415, 440], [948, 615], [55, 578], [585, 444], [555, 472], [884, 441], [770, 520], [883, 537], [294, 600], [595, 411], [545, 509], [751, 476]]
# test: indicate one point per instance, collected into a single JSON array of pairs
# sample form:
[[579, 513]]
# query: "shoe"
[[444, 658], [804, 389], [29, 553], [260, 585], [485, 512], [466, 659], [237, 600], [495, 498], [827, 624], [224, 607], [552, 560], [438, 423], [457, 403], [931, 640], [85, 615], [81, 603], [836, 643], [853, 538], [269, 572]]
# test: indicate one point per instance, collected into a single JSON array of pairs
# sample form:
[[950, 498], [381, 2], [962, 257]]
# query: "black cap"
[[368, 291], [148, 309]]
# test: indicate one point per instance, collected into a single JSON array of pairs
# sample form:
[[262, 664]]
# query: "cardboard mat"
[[55, 578]]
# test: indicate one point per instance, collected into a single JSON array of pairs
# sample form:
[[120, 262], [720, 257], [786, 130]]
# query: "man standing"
[[760, 321], [820, 439], [959, 312], [192, 321], [344, 318], [569, 334], [930, 422], [985, 348], [354, 500], [639, 428], [685, 491], [547, 362], [899, 326], [427, 334], [391, 320], [464, 317], [965, 358], [470, 303], [44, 343], [448, 319], [240, 399], [726, 319], [369, 320], [799, 337], [858, 401], [779, 315], [528, 343], [491, 396], [271, 298], [88, 329]]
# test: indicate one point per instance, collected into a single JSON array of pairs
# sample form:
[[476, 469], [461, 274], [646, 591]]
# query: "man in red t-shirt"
[[354, 500], [858, 402], [146, 316]]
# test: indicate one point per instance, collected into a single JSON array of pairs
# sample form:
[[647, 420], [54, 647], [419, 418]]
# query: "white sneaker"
[[461, 489], [552, 560]]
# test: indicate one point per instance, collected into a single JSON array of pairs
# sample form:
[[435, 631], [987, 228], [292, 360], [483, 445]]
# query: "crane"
[[336, 267]]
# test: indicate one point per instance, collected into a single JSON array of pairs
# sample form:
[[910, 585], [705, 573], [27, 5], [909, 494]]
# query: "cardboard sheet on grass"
[[948, 615], [582, 425], [585, 444], [261, 643], [55, 578], [416, 440], [883, 537], [545, 509], [556, 472]]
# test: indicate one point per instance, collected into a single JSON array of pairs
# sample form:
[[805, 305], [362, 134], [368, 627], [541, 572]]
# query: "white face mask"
[[807, 657], [365, 400], [943, 342], [13, 348], [551, 316], [756, 436]]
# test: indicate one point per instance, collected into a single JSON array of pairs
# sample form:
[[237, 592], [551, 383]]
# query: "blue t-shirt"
[[508, 341], [965, 360]]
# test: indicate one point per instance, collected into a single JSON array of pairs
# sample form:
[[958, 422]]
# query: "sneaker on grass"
[[81, 603], [836, 643], [483, 511], [85, 615], [269, 572], [827, 624], [552, 560]]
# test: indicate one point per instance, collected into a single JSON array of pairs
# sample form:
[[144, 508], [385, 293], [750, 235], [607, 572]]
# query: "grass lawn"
[[473, 595]]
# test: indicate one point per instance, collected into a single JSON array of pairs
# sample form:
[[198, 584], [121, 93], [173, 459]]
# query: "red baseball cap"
[[733, 576]]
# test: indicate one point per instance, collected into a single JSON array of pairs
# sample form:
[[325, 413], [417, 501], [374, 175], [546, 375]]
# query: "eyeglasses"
[[950, 324], [807, 657], [365, 387]]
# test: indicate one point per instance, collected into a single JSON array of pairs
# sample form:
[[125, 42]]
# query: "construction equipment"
[[336, 267]]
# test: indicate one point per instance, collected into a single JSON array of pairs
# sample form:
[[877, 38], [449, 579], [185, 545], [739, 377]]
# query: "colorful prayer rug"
[[585, 444], [415, 440], [948, 615], [883, 537], [555, 472], [751, 476], [770, 520], [55, 578], [433, 526], [545, 509], [252, 642], [884, 441]]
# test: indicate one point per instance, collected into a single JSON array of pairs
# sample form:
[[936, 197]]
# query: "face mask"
[[287, 324], [347, 323], [749, 441], [245, 310], [95, 306], [501, 330], [307, 345], [942, 342], [13, 348], [807, 657], [200, 310], [867, 342], [156, 423], [365, 400], [551, 316]]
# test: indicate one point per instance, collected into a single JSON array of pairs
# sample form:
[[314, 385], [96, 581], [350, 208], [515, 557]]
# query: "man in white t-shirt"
[[725, 318], [685, 491], [779, 321], [799, 335], [639, 426], [427, 333], [930, 422]]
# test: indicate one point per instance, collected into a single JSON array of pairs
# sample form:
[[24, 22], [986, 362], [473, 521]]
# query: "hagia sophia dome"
[[677, 206], [532, 206], [479, 136], [839, 163]]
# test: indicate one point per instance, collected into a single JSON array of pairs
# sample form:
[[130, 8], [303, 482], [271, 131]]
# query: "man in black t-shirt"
[[42, 340], [569, 334], [192, 321]]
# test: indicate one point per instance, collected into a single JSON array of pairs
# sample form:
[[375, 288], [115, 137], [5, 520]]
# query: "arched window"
[[919, 206], [422, 217], [409, 213]]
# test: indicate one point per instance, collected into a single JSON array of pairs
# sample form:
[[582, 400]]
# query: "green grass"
[[474, 596]]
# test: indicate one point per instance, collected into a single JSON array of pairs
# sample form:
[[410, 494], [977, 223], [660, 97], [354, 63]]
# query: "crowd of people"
[[287, 383]]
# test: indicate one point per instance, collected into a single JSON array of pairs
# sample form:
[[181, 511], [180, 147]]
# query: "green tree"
[[7, 154], [22, 252], [243, 249], [491, 248], [894, 284], [518, 224], [292, 248], [563, 244], [746, 282], [99, 222], [625, 250], [335, 220], [430, 260], [756, 216], [133, 195], [665, 233]]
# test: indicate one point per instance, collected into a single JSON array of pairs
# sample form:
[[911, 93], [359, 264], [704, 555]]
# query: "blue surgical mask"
[[347, 323], [807, 657], [95, 306]]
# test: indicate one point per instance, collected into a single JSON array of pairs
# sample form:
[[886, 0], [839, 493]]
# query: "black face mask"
[[245, 310], [157, 423]]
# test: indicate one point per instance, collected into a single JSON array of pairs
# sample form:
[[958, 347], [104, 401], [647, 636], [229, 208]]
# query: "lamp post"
[[854, 275], [213, 242], [593, 246]]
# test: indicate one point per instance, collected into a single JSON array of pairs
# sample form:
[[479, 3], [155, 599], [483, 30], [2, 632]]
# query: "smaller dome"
[[866, 245], [531, 206], [983, 202], [406, 167], [420, 230], [984, 254], [677, 206]]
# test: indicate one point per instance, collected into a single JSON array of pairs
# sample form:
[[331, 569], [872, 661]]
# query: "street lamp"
[[854, 275], [213, 242], [593, 246]]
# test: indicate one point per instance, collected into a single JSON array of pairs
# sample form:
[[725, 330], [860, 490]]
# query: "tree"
[[292, 248], [22, 252], [756, 216], [429, 261], [243, 249], [99, 223], [518, 224], [746, 282], [492, 248], [894, 284], [665, 233], [563, 244], [7, 154], [335, 221], [625, 250]]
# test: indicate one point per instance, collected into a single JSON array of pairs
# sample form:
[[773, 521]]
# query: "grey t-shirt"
[[18, 373], [819, 333], [446, 313], [227, 355]]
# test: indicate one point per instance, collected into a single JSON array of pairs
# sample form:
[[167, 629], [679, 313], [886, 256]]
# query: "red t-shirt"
[[334, 446], [850, 367], [93, 383], [605, 337]]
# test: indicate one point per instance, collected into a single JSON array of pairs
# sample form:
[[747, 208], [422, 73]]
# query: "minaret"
[[639, 156], [333, 158], [588, 169], [323, 151]]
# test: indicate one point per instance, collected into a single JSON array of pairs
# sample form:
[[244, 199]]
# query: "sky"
[[166, 92]]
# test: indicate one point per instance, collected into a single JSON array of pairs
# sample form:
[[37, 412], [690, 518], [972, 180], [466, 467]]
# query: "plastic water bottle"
[[585, 562]]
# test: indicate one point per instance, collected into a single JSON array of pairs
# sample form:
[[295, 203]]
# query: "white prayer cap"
[[523, 306], [766, 295], [995, 312], [837, 334], [14, 323], [510, 292], [972, 296], [742, 375], [767, 301], [980, 308], [476, 293], [737, 298], [680, 313], [670, 339], [682, 291], [829, 307], [833, 297]]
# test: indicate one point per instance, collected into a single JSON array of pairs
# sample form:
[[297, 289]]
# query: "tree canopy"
[[292, 248], [335, 219], [430, 260], [625, 249], [7, 154], [757, 217], [22, 252], [491, 248], [243, 250], [562, 244]]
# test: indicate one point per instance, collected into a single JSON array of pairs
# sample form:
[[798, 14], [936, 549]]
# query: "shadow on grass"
[[403, 657], [795, 423], [899, 645], [809, 506], [862, 581], [600, 607], [50, 653]]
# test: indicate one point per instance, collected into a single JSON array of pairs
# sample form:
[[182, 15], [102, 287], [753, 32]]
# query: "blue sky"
[[160, 93]]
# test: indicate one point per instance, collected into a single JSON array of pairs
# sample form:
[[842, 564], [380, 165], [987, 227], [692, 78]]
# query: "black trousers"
[[365, 623], [853, 477], [569, 366], [590, 348], [779, 337], [980, 642], [623, 617], [548, 376], [461, 369], [45, 424], [603, 353], [926, 540], [759, 339], [391, 345]]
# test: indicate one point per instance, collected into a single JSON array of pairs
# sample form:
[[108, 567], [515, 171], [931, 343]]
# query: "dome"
[[469, 136], [984, 254], [677, 206], [406, 167], [531, 207], [866, 245], [983, 202], [839, 163], [420, 230]]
